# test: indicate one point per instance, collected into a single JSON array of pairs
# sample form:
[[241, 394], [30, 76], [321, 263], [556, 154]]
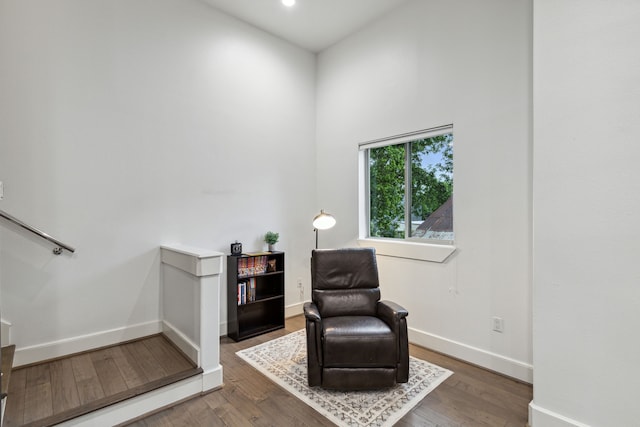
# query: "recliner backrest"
[[345, 281]]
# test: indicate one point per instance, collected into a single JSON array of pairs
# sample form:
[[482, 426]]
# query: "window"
[[409, 186]]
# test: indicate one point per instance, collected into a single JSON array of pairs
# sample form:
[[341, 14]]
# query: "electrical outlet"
[[498, 324], [300, 288]]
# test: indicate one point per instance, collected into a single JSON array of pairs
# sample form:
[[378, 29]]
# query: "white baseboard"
[[54, 349], [212, 379], [541, 417], [223, 329], [140, 405], [293, 309], [492, 361], [188, 347]]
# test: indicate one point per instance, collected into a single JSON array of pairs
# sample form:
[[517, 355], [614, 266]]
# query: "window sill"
[[410, 250]]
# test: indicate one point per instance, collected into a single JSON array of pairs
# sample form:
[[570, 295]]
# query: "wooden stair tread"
[[111, 400], [7, 364], [57, 390]]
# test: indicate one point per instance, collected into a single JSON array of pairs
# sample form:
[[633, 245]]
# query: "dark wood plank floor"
[[53, 391], [470, 397]]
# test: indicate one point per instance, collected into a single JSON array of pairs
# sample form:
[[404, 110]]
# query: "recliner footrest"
[[358, 378]]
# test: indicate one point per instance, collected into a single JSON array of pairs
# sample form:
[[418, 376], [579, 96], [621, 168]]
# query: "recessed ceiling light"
[[288, 3]]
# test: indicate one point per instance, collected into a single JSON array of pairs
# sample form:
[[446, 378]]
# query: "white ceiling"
[[311, 24]]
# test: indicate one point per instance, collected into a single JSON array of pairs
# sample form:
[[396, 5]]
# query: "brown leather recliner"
[[354, 340]]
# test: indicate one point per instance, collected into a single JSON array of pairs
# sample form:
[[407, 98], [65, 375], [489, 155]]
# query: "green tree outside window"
[[431, 184]]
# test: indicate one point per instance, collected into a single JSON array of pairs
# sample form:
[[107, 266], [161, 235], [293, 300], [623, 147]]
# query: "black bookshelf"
[[255, 294]]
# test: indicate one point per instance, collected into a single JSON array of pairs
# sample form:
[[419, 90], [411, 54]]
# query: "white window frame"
[[425, 250]]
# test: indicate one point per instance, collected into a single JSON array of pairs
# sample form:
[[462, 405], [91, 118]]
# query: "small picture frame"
[[236, 248], [271, 266]]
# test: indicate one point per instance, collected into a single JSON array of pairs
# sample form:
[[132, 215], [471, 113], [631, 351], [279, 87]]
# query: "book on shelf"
[[247, 291], [250, 266], [252, 289], [242, 293]]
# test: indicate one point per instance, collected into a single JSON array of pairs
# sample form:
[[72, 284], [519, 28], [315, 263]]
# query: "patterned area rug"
[[284, 361]]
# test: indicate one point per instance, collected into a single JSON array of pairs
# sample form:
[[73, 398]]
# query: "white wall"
[[427, 64], [586, 185], [126, 124]]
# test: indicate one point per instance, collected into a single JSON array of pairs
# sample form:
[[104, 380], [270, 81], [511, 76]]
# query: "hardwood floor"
[[470, 397], [47, 393], [50, 392]]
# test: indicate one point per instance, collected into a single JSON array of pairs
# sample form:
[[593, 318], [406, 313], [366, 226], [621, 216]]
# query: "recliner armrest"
[[395, 316], [390, 311], [311, 311], [313, 328]]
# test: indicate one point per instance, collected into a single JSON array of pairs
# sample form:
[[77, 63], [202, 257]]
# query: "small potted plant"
[[271, 238]]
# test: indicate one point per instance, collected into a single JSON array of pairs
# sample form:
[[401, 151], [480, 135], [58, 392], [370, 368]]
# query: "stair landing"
[[58, 390]]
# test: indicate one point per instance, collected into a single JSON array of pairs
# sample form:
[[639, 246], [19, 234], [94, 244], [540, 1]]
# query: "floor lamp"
[[322, 221]]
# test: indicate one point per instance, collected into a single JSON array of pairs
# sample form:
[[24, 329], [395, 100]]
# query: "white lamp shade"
[[323, 221]]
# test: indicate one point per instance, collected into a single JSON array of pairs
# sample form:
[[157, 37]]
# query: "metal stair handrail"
[[59, 245]]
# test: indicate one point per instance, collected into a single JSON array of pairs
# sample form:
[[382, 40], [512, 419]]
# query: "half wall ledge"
[[191, 306]]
